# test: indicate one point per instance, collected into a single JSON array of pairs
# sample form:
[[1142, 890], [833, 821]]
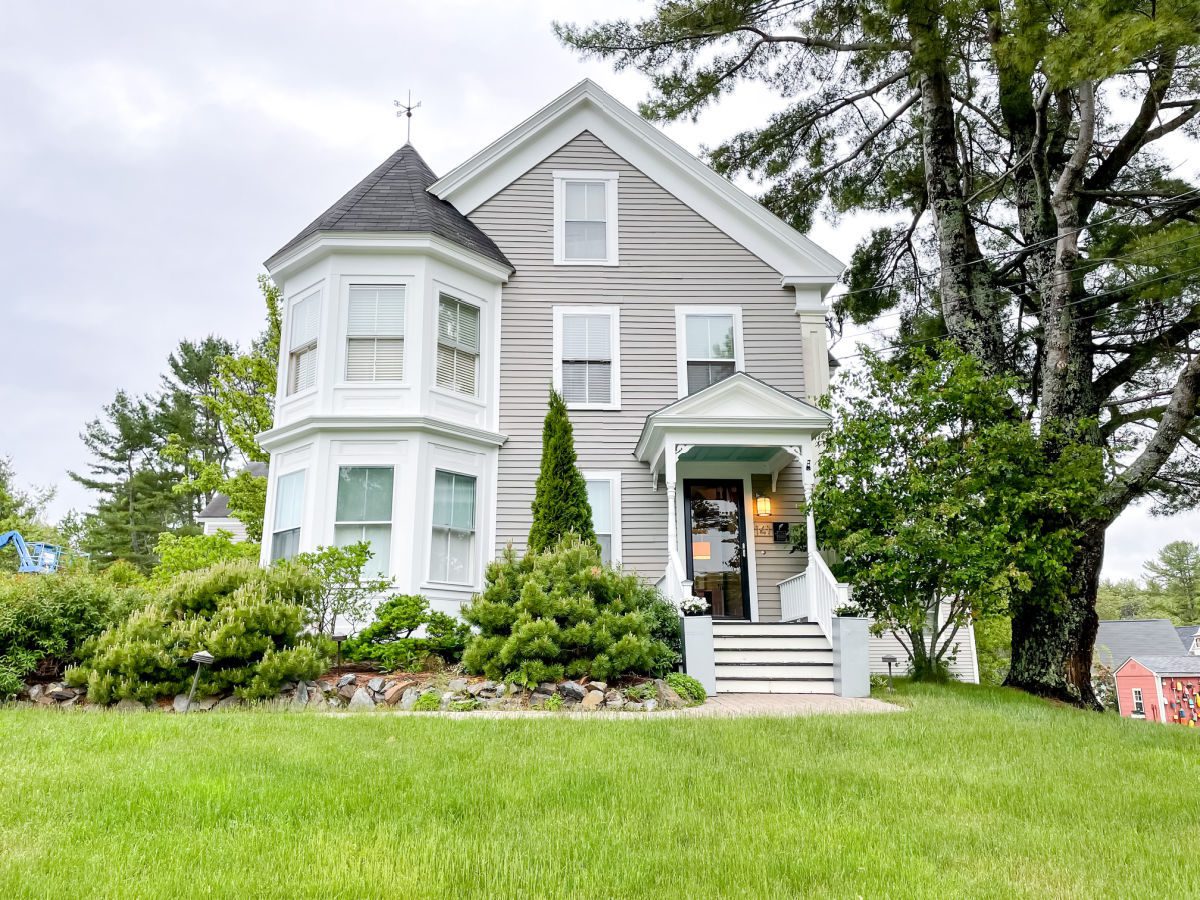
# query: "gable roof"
[[587, 107], [1170, 665], [394, 198], [218, 506], [1122, 639], [1187, 634]]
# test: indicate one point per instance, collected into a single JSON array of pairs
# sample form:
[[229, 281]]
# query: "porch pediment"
[[740, 411]]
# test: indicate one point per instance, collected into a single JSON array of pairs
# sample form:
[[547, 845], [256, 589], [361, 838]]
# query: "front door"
[[716, 546]]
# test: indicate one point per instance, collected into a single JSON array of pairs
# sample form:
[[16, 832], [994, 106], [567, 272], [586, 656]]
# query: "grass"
[[972, 792]]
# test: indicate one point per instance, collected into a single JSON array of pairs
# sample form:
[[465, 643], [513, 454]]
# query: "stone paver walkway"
[[787, 705]]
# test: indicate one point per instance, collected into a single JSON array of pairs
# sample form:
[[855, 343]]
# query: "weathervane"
[[405, 109]]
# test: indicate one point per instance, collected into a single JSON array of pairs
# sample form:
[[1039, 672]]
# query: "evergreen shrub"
[[389, 640]]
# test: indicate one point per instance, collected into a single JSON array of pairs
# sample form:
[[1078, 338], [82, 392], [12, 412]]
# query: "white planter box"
[[851, 662], [699, 660]]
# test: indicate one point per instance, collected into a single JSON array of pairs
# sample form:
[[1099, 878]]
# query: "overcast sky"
[[153, 154]]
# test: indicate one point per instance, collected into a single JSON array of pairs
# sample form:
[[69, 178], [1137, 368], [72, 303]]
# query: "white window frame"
[[472, 563], [1139, 704], [479, 342], [364, 523], [614, 478], [681, 360], [315, 344], [614, 342], [611, 231], [299, 528], [347, 337]]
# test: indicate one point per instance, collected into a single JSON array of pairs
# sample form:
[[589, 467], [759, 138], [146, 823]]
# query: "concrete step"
[[821, 672], [754, 654], [755, 642], [772, 686], [767, 629]]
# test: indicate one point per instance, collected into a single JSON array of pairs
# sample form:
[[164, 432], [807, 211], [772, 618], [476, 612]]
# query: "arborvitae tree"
[[560, 505]]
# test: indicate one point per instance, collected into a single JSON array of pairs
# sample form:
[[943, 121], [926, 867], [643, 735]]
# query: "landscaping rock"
[[348, 690], [547, 687], [634, 706], [600, 686], [650, 705], [409, 698], [593, 700], [61, 692], [614, 699], [539, 699], [345, 680], [376, 684], [300, 698], [361, 699], [457, 685], [393, 694], [205, 703], [486, 688], [35, 692], [230, 702], [180, 703], [128, 705], [667, 696], [572, 690], [69, 702]]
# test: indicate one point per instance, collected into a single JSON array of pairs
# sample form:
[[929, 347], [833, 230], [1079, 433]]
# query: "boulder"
[[633, 706], [393, 694], [345, 680], [593, 700], [572, 690], [650, 705], [35, 692], [376, 684], [667, 696], [69, 702], [600, 686], [457, 685], [61, 692], [206, 703], [300, 698], [230, 702], [547, 687], [614, 699], [128, 705], [538, 698], [361, 699], [180, 703], [487, 688], [348, 690]]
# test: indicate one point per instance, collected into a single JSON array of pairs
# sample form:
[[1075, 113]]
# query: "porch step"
[[767, 629], [761, 644], [755, 654], [772, 686], [776, 670]]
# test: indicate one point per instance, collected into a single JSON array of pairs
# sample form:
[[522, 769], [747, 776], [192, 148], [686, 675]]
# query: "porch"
[[737, 462]]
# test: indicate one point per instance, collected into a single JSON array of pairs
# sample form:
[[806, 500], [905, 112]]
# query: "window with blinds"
[[710, 350], [302, 344], [364, 513], [587, 359], [458, 346], [375, 333], [453, 539], [289, 505], [585, 220]]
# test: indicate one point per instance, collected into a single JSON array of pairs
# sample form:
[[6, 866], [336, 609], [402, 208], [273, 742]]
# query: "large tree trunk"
[[1052, 645]]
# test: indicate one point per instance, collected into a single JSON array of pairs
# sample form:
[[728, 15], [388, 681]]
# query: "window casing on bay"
[[457, 346], [364, 512], [452, 545], [289, 509], [375, 318], [303, 329]]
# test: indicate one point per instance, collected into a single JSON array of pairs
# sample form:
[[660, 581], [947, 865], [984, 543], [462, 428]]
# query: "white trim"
[[611, 232], [613, 477], [614, 325], [751, 551], [681, 361], [277, 437], [587, 107], [323, 243], [473, 566], [411, 300], [1138, 700]]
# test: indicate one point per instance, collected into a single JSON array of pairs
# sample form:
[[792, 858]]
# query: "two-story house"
[[427, 318]]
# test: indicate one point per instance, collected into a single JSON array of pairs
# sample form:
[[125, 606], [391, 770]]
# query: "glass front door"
[[716, 546]]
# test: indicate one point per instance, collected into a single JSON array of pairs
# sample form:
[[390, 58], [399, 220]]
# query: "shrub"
[[45, 620], [640, 693], [464, 705], [562, 613], [428, 702], [193, 552], [249, 619], [687, 687], [560, 500], [344, 590], [389, 641]]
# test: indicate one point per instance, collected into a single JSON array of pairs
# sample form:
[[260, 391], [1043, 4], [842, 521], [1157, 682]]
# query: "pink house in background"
[[1160, 689]]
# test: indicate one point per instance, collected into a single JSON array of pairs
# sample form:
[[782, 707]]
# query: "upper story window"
[[375, 333], [585, 218], [458, 346], [289, 507], [1138, 708], [453, 546], [302, 343], [587, 356], [604, 497], [364, 512], [709, 343]]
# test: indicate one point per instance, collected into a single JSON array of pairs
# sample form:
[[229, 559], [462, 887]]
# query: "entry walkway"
[[787, 705]]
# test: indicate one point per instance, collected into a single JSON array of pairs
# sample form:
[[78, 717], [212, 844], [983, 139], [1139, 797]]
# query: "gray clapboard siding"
[[964, 667], [669, 255], [777, 562]]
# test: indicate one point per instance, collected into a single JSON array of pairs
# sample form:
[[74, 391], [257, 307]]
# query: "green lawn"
[[973, 791]]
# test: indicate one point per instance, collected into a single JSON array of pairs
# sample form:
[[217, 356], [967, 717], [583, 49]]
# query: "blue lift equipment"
[[37, 556]]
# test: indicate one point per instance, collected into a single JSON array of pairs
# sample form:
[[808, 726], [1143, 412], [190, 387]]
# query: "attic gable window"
[[302, 343], [375, 333], [585, 218]]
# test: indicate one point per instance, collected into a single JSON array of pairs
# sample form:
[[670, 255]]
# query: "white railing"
[[813, 594], [674, 583]]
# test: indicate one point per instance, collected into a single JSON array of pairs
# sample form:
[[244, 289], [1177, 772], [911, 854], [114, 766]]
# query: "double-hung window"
[[458, 346], [375, 333], [302, 344], [587, 369], [289, 506], [1139, 708], [710, 342], [364, 512], [604, 497], [585, 218], [453, 538]]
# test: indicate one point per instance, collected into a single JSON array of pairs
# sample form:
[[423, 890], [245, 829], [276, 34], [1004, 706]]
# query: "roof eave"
[[322, 243]]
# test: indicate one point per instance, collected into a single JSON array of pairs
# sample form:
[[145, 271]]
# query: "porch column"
[[810, 521]]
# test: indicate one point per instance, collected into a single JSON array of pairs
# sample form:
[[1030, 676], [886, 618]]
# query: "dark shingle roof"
[[218, 506], [1116, 641], [1171, 665], [394, 198], [1187, 633]]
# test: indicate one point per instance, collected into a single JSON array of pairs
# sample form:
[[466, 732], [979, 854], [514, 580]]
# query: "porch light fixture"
[[762, 505], [701, 550], [201, 658]]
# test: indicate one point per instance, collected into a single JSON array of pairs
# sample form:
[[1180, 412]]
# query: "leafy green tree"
[[936, 495], [346, 593], [194, 552], [560, 502], [1176, 573], [1012, 153], [1124, 599]]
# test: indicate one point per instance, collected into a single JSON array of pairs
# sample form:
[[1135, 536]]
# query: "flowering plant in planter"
[[693, 606]]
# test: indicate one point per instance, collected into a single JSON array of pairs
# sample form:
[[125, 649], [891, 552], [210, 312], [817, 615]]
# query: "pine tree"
[[560, 504]]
